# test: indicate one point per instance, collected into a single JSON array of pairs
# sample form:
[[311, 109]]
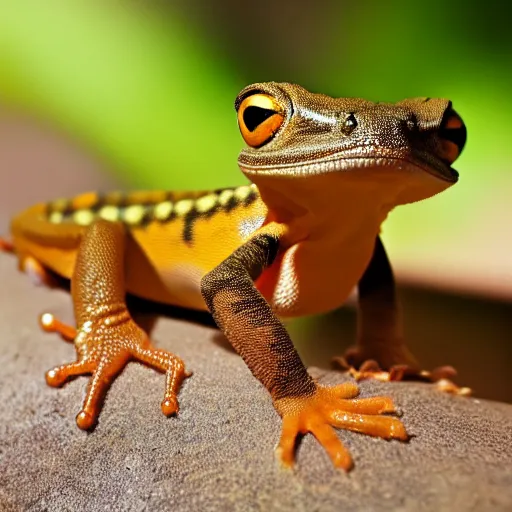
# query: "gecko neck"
[[336, 205]]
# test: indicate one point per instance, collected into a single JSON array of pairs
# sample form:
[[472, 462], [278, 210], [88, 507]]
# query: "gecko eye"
[[259, 118], [349, 125], [453, 135]]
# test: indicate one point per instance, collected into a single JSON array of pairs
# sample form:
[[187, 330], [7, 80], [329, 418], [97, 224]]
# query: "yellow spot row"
[[135, 214]]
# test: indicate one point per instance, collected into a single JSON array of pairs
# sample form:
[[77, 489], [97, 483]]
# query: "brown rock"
[[218, 453]]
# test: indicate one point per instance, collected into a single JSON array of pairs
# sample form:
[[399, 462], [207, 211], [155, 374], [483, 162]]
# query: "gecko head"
[[291, 134]]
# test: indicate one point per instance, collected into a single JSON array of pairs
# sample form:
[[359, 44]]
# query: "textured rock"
[[218, 454]]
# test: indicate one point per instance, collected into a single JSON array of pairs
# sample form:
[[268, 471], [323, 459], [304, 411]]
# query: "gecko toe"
[[386, 427], [337, 452], [285, 451], [175, 373], [57, 376], [49, 323]]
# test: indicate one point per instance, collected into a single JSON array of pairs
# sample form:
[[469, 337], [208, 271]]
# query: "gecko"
[[323, 175]]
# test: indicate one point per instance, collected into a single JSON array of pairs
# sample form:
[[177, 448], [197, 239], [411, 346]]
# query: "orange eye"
[[259, 118]]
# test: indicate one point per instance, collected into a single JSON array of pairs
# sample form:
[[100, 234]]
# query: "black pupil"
[[254, 116]]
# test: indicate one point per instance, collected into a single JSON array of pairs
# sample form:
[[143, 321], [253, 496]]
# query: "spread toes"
[[335, 407]]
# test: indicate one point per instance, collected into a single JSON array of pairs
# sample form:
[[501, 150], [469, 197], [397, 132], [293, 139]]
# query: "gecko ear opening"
[[259, 118]]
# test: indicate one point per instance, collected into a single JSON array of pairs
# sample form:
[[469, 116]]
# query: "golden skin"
[[154, 273], [325, 172]]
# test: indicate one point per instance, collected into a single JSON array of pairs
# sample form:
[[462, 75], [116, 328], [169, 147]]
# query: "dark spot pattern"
[[138, 209]]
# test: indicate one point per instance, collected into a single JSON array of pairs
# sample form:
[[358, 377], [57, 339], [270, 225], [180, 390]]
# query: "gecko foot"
[[377, 354], [104, 346], [336, 407], [442, 377]]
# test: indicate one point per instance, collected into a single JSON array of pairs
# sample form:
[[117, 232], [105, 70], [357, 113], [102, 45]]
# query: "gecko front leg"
[[260, 338], [106, 337], [380, 335], [381, 351]]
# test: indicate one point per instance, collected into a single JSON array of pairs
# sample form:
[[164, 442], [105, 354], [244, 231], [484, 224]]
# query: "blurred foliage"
[[150, 85], [141, 89]]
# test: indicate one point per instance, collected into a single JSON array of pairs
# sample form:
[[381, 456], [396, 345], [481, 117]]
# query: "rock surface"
[[218, 453]]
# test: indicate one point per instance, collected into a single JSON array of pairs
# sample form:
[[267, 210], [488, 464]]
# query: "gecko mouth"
[[436, 166], [356, 159]]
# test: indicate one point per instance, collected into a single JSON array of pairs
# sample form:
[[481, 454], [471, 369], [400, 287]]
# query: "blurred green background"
[[147, 87]]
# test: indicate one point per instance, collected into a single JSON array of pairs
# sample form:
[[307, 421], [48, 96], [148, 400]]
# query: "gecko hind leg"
[[107, 337]]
